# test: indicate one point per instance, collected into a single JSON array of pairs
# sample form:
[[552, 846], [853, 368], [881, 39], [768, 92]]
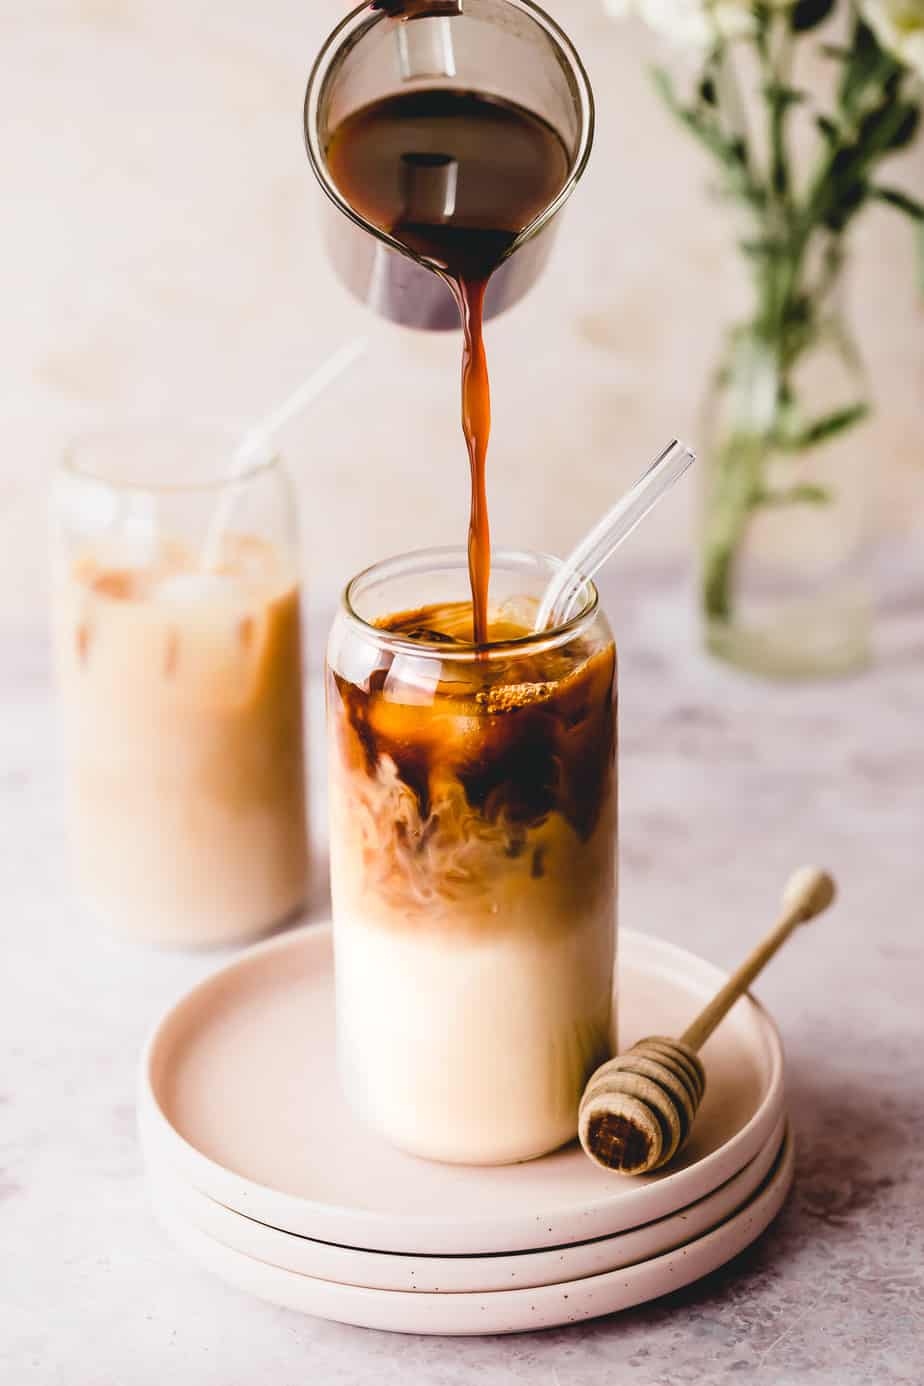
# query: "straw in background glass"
[[257, 446]]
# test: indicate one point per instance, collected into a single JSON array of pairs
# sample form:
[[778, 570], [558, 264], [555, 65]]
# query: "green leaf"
[[847, 198], [806, 494], [902, 200], [907, 127], [890, 125], [782, 96], [728, 149], [808, 14], [665, 86], [829, 128], [763, 247], [865, 59], [826, 427], [802, 494]]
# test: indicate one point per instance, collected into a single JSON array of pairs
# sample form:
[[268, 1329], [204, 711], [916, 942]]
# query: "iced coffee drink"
[[473, 832], [181, 695]]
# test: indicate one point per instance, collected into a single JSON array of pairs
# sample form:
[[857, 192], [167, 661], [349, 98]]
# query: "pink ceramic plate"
[[509, 1311], [453, 1274], [239, 1097]]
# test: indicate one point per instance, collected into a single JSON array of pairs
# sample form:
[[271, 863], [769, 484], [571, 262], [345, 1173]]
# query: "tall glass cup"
[[473, 857], [177, 634]]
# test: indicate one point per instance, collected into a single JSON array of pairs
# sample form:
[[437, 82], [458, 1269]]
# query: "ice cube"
[[412, 680], [195, 589], [518, 611], [123, 585]]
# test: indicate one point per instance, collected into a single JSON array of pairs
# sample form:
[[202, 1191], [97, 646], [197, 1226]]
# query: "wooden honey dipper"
[[638, 1109]]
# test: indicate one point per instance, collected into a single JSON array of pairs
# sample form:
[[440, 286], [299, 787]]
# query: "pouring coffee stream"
[[453, 175]]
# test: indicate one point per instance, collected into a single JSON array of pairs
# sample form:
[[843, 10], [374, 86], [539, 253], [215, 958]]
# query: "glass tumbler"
[[178, 649], [473, 857]]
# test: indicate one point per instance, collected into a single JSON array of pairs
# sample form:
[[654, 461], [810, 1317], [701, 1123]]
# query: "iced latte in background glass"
[[473, 857], [179, 660]]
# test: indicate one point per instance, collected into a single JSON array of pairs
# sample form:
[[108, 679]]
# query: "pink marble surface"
[[726, 784]]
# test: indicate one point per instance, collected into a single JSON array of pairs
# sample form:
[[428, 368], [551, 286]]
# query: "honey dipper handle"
[[808, 893]]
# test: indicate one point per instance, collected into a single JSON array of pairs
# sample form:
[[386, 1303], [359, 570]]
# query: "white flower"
[[694, 23], [899, 27]]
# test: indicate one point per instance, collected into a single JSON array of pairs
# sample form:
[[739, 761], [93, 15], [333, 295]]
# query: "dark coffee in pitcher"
[[454, 176]]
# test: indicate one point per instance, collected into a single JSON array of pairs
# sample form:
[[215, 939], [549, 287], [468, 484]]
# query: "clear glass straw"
[[258, 445], [564, 591]]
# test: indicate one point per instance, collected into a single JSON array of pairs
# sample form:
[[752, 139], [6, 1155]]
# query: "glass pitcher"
[[509, 49]]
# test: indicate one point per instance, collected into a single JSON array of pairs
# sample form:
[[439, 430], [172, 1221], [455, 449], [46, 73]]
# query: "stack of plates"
[[260, 1171]]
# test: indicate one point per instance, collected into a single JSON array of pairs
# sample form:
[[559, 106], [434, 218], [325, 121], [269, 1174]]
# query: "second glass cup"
[[178, 642], [473, 857]]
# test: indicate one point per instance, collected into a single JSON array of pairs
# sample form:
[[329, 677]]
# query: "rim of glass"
[[363, 18], [456, 557], [77, 459]]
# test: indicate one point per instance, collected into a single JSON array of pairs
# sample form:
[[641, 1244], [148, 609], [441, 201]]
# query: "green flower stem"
[[774, 46], [733, 495], [794, 246]]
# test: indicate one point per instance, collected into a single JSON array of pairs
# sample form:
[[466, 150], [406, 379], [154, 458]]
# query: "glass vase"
[[787, 495]]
